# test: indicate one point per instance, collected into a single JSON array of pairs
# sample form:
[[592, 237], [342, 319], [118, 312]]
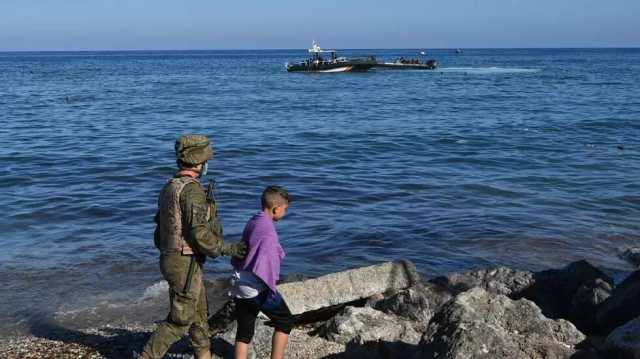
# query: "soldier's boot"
[[203, 354]]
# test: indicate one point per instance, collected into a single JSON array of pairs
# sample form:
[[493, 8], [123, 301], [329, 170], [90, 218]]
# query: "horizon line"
[[346, 48]]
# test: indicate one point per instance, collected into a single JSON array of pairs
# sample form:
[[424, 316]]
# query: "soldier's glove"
[[238, 250]]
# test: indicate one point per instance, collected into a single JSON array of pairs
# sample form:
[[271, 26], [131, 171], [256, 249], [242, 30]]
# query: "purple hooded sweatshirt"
[[265, 253]]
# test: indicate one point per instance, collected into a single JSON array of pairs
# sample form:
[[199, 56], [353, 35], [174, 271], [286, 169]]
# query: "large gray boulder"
[[361, 325], [348, 286], [622, 306], [479, 324], [499, 280], [624, 342]]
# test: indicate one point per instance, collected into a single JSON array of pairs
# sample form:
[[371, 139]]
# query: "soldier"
[[187, 232]]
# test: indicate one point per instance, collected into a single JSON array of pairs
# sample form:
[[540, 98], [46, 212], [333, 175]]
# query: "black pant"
[[271, 304]]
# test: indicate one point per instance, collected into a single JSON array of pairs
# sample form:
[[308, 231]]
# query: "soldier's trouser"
[[188, 312]]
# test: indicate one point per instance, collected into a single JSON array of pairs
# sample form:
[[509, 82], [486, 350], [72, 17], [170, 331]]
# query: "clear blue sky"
[[254, 24]]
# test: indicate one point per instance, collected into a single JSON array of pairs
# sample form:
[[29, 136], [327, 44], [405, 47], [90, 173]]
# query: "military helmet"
[[193, 149]]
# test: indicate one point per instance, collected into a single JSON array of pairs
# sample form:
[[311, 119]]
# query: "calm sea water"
[[526, 158]]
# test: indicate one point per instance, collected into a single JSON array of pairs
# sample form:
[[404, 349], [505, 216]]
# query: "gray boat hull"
[[429, 65]]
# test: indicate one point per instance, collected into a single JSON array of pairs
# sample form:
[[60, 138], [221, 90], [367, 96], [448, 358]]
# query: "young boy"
[[255, 276]]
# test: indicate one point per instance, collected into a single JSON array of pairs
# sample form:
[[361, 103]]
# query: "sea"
[[528, 158]]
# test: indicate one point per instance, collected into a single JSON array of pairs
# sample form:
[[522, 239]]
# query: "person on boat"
[[254, 277], [187, 231]]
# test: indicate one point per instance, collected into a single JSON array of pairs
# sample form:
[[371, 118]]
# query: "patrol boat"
[[318, 63], [409, 64]]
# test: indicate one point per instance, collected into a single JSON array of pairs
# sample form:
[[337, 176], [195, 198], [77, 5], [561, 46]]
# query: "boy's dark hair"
[[274, 196]]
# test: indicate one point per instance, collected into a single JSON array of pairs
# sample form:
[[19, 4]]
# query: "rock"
[[499, 280], [377, 350], [217, 292], [571, 293], [585, 303], [554, 291], [293, 277], [348, 286], [624, 341], [418, 303], [622, 305], [322, 315], [223, 319], [631, 255], [361, 325], [479, 324], [587, 354]]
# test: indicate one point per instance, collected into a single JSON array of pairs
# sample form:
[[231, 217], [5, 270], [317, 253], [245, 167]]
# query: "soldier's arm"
[[205, 235]]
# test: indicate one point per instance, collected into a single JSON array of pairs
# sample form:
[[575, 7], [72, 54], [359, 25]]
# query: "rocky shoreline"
[[572, 312]]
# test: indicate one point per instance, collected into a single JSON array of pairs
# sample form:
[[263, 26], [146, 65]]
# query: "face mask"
[[205, 168]]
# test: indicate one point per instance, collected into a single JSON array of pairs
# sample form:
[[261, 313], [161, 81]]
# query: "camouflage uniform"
[[187, 226]]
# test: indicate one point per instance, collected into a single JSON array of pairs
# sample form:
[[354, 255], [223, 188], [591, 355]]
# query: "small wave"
[[487, 70], [155, 290]]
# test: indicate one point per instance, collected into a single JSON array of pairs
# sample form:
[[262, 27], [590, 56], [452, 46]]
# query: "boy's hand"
[[238, 250]]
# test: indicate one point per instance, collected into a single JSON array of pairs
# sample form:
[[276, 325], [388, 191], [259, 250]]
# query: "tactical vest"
[[172, 233]]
